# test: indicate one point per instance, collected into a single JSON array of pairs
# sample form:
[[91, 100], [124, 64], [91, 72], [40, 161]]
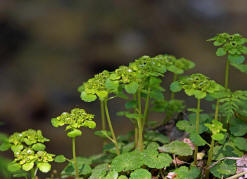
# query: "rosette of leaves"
[[76, 119], [29, 151], [95, 87], [216, 129], [231, 45]]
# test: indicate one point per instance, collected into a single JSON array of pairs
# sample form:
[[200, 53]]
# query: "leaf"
[[220, 52], [99, 171], [111, 85], [140, 174], [225, 169], [218, 136], [197, 139], [38, 147], [122, 177], [103, 133], [227, 150], [44, 167], [60, 159], [127, 161], [131, 88], [28, 166], [240, 143], [236, 59], [175, 87], [112, 175], [241, 67], [88, 97], [4, 146], [131, 104], [200, 94], [74, 133], [184, 173], [178, 148], [102, 95], [155, 136], [238, 127], [13, 167], [16, 148]]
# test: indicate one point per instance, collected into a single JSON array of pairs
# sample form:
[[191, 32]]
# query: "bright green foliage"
[[216, 128], [240, 143], [177, 147], [60, 159], [226, 150], [122, 177], [95, 87], [232, 45], [74, 120], [83, 165], [99, 171], [127, 161], [112, 175], [4, 142], [199, 85], [238, 127], [103, 134], [232, 102], [140, 174], [197, 139], [225, 168], [29, 151], [186, 173]]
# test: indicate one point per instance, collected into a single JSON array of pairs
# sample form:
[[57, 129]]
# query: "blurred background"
[[49, 48]]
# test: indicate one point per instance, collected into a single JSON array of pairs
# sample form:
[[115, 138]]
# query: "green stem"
[[102, 110], [174, 79], [197, 129], [227, 73], [34, 172], [210, 157], [217, 110], [136, 137], [139, 122], [111, 128], [74, 159], [146, 110]]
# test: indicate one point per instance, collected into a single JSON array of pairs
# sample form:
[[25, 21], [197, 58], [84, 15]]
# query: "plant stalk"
[[174, 79], [139, 122], [74, 158], [111, 128], [227, 73], [146, 110], [102, 110], [197, 129], [34, 172]]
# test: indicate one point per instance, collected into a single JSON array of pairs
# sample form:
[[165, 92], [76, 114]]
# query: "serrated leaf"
[[220, 52], [178, 148], [227, 150], [185, 173], [238, 127], [44, 167], [88, 97], [140, 174], [240, 143], [197, 139], [60, 159], [224, 169], [127, 161], [175, 87], [99, 171], [112, 175], [131, 88], [28, 166], [236, 59], [218, 136]]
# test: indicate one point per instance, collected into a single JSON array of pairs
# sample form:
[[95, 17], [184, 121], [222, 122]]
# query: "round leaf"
[[140, 174], [38, 147], [88, 97], [44, 167], [74, 133], [220, 52], [131, 88], [175, 87], [60, 159], [28, 166], [236, 59]]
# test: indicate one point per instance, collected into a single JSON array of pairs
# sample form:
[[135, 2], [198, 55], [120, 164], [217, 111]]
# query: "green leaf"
[[16, 148], [200, 94], [140, 174], [227, 150], [112, 175], [111, 85], [28, 166], [238, 127], [88, 97], [103, 133], [241, 67], [240, 143], [197, 139], [220, 52], [218, 136], [74, 133], [131, 104], [127, 161], [225, 169], [155, 136], [175, 87], [131, 88], [122, 177], [184, 173], [5, 146], [13, 167], [236, 59], [44, 167], [102, 95], [99, 171], [60, 159], [178, 148], [38, 147]]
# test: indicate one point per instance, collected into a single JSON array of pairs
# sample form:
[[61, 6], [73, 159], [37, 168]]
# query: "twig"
[[225, 158], [237, 175]]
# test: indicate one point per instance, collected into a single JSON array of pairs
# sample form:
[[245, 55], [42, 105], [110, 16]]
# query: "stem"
[[146, 110], [174, 79], [216, 110], [34, 172], [111, 128], [136, 136], [139, 122], [197, 129], [74, 158], [102, 114], [227, 73], [237, 175], [210, 157]]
